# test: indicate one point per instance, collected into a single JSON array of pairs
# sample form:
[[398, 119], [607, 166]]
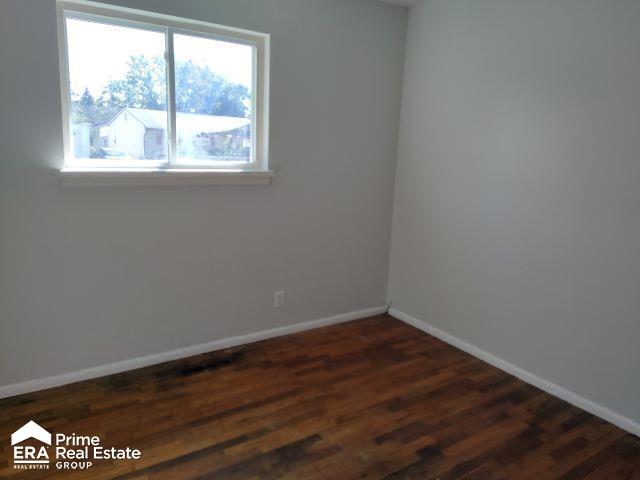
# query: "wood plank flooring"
[[368, 399]]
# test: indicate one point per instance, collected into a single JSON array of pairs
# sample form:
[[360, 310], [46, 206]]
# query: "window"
[[150, 92]]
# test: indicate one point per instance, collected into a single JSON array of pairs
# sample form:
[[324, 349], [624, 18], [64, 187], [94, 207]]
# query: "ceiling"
[[404, 3]]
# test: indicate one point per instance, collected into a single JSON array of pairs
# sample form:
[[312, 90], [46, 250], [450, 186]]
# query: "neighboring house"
[[81, 139], [142, 134]]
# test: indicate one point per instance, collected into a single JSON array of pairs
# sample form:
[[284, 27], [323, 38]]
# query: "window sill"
[[161, 178]]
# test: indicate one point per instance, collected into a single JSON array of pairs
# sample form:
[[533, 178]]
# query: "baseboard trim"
[[135, 363], [596, 409]]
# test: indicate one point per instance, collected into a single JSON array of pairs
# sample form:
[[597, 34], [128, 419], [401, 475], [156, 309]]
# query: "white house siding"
[[127, 133], [81, 140], [153, 149]]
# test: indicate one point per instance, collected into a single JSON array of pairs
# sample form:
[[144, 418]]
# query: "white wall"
[[93, 276], [517, 206]]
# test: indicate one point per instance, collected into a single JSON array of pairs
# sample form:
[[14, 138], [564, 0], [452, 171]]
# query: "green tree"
[[143, 85], [87, 100], [83, 109], [198, 89]]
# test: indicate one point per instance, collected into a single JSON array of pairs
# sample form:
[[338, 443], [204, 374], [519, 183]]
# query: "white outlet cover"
[[278, 299]]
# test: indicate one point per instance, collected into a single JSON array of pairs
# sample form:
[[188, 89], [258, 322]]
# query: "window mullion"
[[171, 98]]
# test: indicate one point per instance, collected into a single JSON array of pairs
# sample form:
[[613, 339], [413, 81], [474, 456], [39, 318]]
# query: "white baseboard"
[[134, 363], [594, 408]]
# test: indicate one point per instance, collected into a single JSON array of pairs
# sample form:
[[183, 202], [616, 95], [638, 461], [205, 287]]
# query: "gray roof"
[[192, 122]]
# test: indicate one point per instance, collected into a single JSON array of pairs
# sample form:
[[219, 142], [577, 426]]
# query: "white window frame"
[[140, 171]]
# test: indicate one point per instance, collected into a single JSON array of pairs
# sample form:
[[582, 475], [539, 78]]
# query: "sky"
[[99, 53]]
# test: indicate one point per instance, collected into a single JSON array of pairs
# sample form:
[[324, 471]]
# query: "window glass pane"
[[213, 100], [118, 94]]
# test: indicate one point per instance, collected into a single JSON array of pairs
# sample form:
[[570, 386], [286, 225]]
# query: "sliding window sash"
[[170, 25]]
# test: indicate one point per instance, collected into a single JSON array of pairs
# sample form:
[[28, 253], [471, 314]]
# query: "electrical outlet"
[[278, 299]]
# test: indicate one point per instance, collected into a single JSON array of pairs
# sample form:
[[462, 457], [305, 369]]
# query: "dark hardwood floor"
[[368, 399]]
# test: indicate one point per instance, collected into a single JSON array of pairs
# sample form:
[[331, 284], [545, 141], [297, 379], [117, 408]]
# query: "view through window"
[[122, 101], [213, 99]]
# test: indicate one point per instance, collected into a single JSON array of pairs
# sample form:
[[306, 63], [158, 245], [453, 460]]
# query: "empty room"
[[320, 239]]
